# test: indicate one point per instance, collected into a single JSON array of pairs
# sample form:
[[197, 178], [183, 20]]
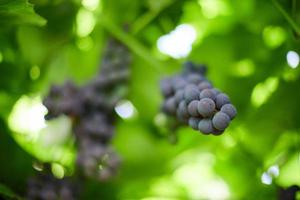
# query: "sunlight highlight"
[[58, 170], [27, 116], [272, 172], [213, 8], [85, 22], [90, 4], [178, 43], [197, 177], [125, 109], [262, 91], [293, 59]]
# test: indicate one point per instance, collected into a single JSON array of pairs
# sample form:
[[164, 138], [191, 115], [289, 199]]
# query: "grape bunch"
[[47, 187], [192, 100], [97, 161], [91, 108], [289, 193]]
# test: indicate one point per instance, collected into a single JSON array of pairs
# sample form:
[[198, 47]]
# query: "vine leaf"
[[16, 12]]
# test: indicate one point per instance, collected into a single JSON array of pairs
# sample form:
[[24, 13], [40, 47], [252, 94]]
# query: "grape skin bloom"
[[205, 126], [230, 110], [221, 121], [206, 107]]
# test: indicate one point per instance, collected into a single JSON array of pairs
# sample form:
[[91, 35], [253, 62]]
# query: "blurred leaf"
[[16, 12]]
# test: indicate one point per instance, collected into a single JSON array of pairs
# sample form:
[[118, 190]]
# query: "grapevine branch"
[[131, 43], [286, 15], [145, 19]]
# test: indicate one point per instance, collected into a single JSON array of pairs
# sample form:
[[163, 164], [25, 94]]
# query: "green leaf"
[[16, 12]]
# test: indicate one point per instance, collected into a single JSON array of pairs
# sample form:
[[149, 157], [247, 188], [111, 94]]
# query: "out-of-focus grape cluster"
[[47, 187], [289, 193], [192, 100], [91, 108]]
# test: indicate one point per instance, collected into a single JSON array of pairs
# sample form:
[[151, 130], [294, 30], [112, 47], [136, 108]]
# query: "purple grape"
[[166, 87], [191, 93], [221, 121], [206, 107], [194, 78], [230, 110], [221, 100], [208, 93], [170, 106], [205, 126], [178, 83], [193, 108], [182, 111], [179, 96], [193, 122], [204, 85]]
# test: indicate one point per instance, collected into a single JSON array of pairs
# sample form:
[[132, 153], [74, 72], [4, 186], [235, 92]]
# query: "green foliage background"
[[244, 43]]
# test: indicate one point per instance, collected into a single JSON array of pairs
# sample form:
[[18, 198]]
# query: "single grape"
[[221, 100], [208, 93], [182, 111], [191, 93], [206, 107], [221, 121], [194, 78], [193, 122], [230, 110], [166, 87], [179, 96], [204, 85], [205, 126], [169, 106], [178, 83], [193, 108]]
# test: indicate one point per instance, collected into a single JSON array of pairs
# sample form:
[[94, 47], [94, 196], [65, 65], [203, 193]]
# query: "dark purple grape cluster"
[[97, 161], [91, 108], [289, 193], [47, 187], [63, 100], [193, 100]]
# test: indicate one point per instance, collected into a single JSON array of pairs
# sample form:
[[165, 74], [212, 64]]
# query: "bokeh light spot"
[[85, 22], [213, 8], [90, 4], [274, 36], [244, 68], [34, 72], [178, 43], [58, 170], [272, 172], [293, 59], [38, 166], [197, 177], [266, 179], [262, 91], [125, 109], [27, 116]]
